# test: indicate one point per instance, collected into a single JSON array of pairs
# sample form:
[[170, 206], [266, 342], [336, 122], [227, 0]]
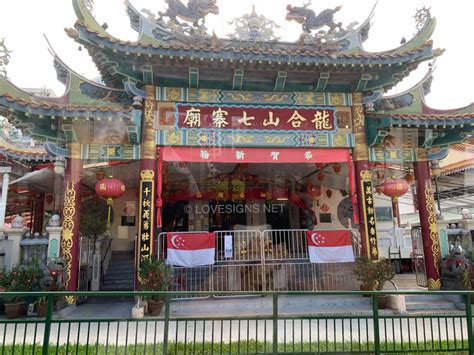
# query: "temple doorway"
[[258, 196]]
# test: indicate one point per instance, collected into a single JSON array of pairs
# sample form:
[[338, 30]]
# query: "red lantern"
[[337, 168], [329, 193], [394, 187], [321, 176], [100, 174], [409, 179], [109, 189], [318, 191]]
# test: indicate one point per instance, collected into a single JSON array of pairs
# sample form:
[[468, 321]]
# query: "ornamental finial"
[[252, 27], [4, 58]]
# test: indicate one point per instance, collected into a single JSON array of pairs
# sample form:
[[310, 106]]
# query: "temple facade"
[[244, 137]]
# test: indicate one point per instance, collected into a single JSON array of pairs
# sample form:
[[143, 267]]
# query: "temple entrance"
[[226, 196], [258, 215], [202, 191]]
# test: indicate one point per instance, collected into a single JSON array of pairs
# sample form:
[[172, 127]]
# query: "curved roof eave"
[[15, 99], [422, 37], [85, 16]]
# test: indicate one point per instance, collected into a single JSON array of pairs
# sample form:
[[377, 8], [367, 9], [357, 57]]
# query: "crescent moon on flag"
[[173, 239], [313, 238]]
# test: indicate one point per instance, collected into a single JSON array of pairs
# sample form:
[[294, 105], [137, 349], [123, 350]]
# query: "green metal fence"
[[275, 332]]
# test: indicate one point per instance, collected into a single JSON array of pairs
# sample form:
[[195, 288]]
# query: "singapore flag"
[[330, 246], [190, 250]]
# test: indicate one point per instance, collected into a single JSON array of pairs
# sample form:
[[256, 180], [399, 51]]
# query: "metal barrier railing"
[[261, 261], [274, 330]]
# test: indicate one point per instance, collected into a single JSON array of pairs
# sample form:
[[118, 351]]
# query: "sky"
[[23, 23]]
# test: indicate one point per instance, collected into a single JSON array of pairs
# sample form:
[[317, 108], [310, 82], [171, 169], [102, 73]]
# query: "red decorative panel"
[[257, 118]]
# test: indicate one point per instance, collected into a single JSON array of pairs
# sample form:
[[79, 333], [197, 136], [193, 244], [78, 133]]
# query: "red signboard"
[[257, 118], [255, 155]]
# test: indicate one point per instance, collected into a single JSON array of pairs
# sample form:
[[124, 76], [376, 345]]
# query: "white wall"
[[123, 238]]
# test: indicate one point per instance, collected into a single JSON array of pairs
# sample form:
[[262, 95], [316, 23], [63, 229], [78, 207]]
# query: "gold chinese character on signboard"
[[296, 120], [368, 190], [145, 236], [146, 225], [110, 151], [271, 121], [245, 119], [147, 191], [146, 203], [145, 248], [372, 220], [370, 210], [374, 251], [372, 231], [193, 117], [321, 120], [369, 200], [373, 240], [219, 118], [146, 214]]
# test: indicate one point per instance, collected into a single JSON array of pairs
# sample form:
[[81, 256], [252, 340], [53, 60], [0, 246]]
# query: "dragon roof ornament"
[[311, 22], [184, 20], [422, 18], [253, 27], [4, 58]]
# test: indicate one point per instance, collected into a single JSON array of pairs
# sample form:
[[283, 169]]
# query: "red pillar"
[[364, 190], [71, 235], [429, 224], [38, 213], [148, 167]]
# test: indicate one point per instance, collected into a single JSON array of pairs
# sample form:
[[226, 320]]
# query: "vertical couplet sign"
[[369, 215], [145, 231]]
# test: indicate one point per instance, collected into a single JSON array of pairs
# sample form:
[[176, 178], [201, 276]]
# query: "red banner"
[[257, 118], [255, 155]]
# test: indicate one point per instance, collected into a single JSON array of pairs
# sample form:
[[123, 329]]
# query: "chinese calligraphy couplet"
[[369, 216], [257, 118], [146, 216]]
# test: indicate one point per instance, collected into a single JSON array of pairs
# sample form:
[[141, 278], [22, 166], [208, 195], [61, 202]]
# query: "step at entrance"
[[433, 303], [120, 275]]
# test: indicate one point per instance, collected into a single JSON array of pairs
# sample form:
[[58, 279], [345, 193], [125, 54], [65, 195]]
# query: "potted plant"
[[155, 275], [21, 279], [374, 275]]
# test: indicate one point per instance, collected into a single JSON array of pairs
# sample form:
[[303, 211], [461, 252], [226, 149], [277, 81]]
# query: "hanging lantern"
[[321, 176], [394, 187], [318, 191], [329, 193], [409, 179], [100, 174], [110, 189], [337, 168]]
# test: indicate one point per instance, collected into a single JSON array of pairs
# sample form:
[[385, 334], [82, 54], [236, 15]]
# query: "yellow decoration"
[[67, 242]]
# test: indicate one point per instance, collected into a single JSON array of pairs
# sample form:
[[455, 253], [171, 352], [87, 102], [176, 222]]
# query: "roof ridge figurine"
[[310, 21], [254, 27], [4, 58], [194, 12]]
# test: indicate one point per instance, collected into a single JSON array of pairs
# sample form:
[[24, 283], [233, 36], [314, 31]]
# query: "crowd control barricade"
[[253, 261]]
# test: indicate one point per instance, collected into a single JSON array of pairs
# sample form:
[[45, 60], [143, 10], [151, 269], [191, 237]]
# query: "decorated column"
[[71, 235], [3, 202], [365, 199], [146, 220], [428, 221]]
